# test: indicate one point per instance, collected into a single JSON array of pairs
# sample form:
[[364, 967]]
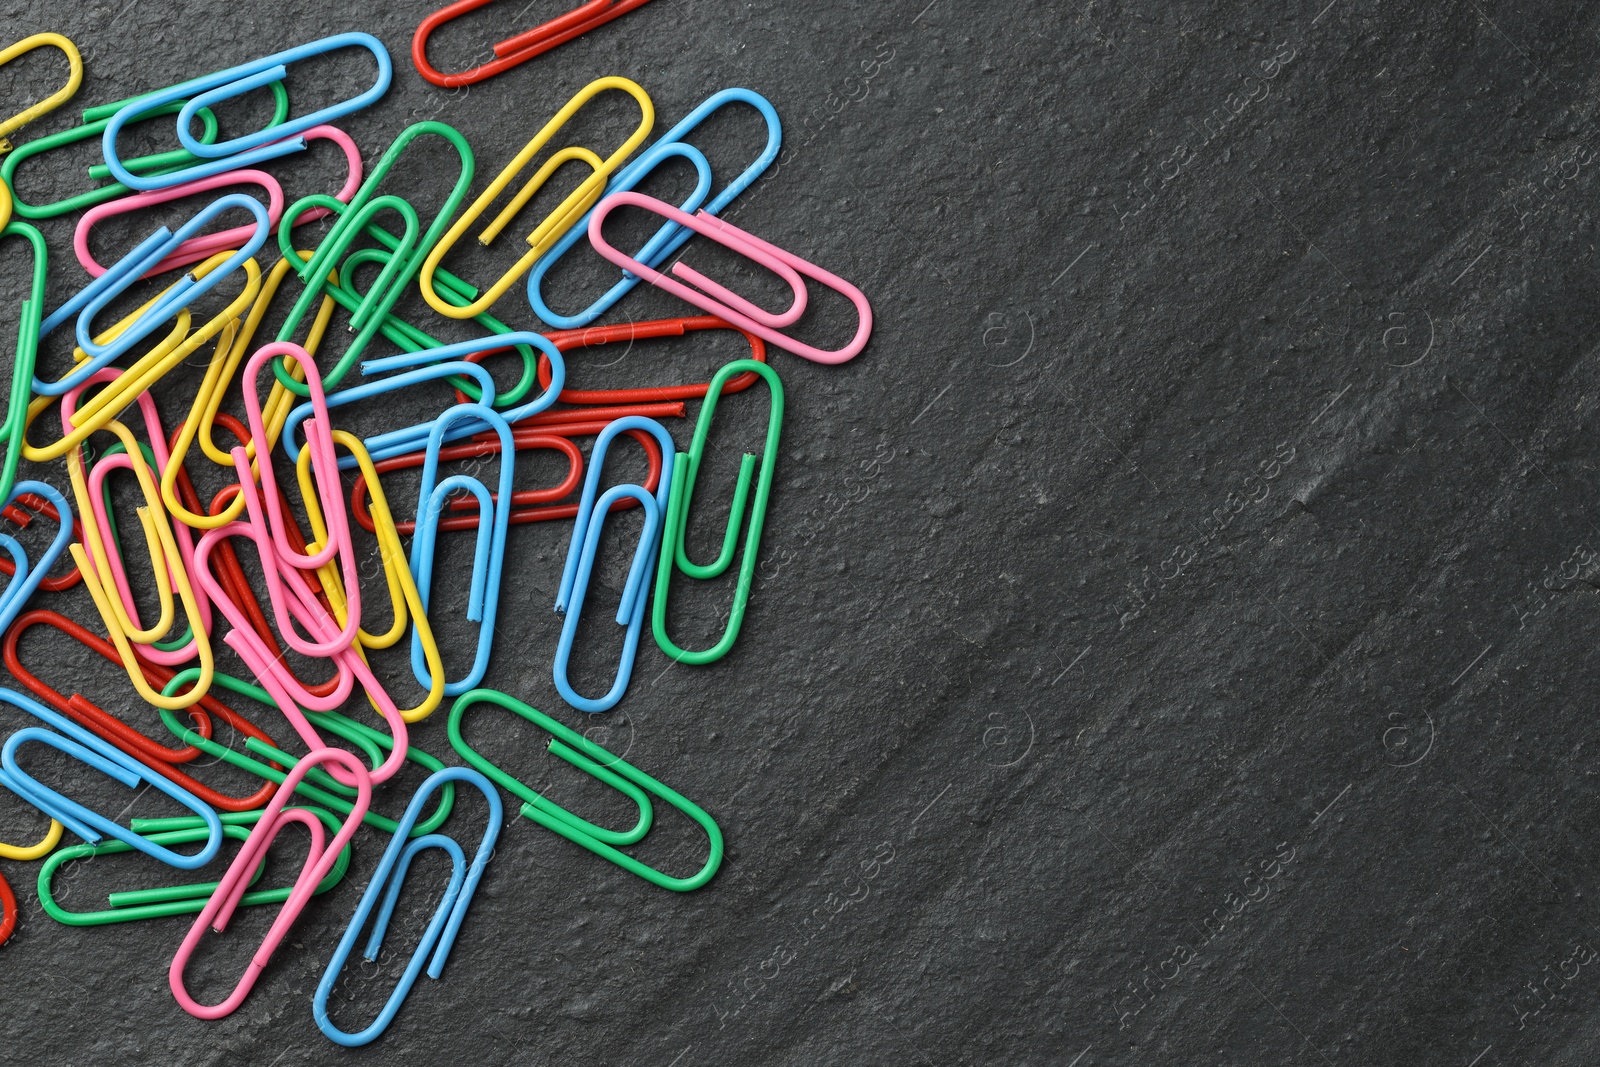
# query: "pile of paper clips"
[[313, 603]]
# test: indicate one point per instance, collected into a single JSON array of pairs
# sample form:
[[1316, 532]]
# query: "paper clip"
[[514, 50], [94, 123], [68, 737], [675, 525], [716, 299], [17, 512], [230, 890], [484, 595], [8, 911], [325, 464], [116, 280], [104, 550], [205, 412], [160, 758], [354, 219], [399, 442], [591, 336], [250, 149], [559, 221], [576, 749], [319, 787], [387, 880], [523, 501], [26, 578], [198, 248], [671, 236], [132, 905], [174, 349], [585, 544], [55, 99], [15, 428]]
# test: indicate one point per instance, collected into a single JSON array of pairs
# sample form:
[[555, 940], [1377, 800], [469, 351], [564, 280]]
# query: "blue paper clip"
[[440, 936], [412, 438], [25, 582], [90, 300], [236, 152], [488, 556], [670, 237], [377, 388], [585, 542], [67, 736]]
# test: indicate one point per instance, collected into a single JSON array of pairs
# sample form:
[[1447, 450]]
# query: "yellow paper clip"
[[54, 100], [559, 221], [404, 599]]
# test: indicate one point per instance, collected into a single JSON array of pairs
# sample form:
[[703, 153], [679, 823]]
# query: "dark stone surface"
[[1169, 645]]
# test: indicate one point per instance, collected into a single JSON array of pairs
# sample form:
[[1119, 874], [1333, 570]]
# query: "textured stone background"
[[1168, 648]]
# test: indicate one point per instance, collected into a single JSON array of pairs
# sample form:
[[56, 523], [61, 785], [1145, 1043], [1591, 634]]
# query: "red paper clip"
[[156, 756], [14, 511], [513, 50]]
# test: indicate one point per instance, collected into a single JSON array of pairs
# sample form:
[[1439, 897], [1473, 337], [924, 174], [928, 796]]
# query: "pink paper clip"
[[263, 661], [325, 467], [724, 303], [101, 519], [199, 248], [319, 861]]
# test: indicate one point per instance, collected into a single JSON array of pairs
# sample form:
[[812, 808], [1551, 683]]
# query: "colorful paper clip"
[[671, 236], [387, 880], [198, 248], [129, 269], [559, 221], [354, 219], [717, 299], [514, 50], [55, 99], [26, 577], [585, 544], [14, 431], [231, 889], [132, 905], [250, 149], [571, 746], [68, 737], [160, 758], [95, 120], [320, 787], [675, 526], [483, 596], [8, 911], [399, 442]]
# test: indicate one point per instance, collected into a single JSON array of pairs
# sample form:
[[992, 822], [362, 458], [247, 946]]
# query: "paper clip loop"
[[489, 554], [250, 149], [559, 221], [68, 737], [514, 50], [571, 746], [581, 553], [675, 525], [440, 935], [49, 103], [230, 890], [671, 236], [722, 302], [132, 905]]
